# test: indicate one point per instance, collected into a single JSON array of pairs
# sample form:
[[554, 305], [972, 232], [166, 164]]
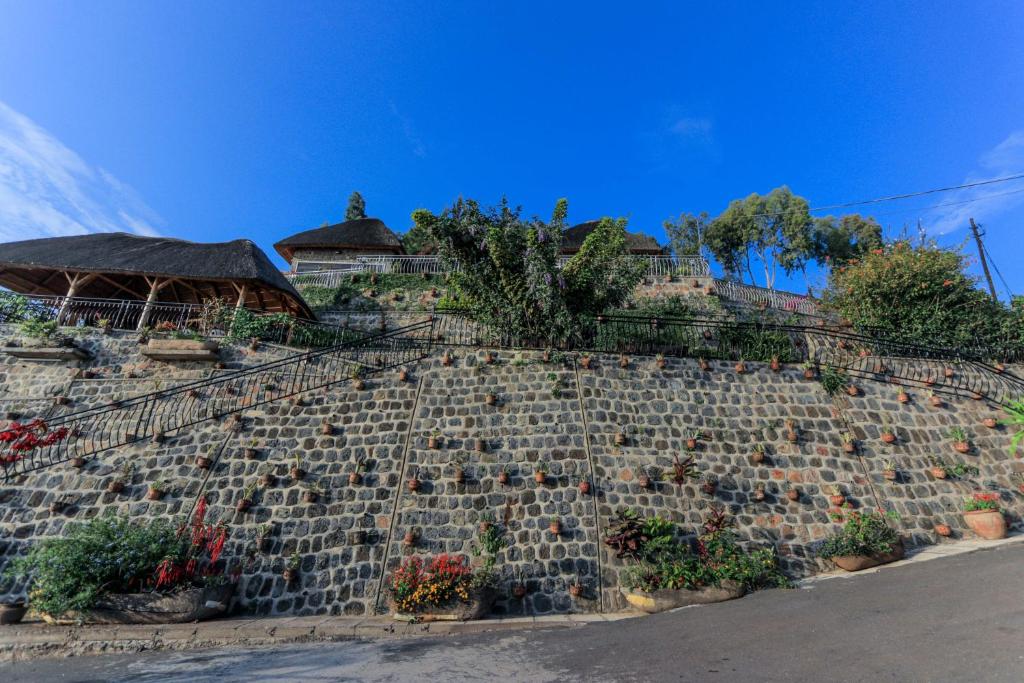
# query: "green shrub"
[[865, 533]]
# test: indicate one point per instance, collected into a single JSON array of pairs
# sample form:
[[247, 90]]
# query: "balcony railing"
[[332, 274]]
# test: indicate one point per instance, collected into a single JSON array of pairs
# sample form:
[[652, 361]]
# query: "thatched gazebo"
[[636, 243], [352, 239], [151, 269]]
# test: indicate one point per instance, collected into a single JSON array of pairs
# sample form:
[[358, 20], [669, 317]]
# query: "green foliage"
[[356, 207], [834, 381], [418, 240], [106, 555], [394, 291], [506, 269], [865, 533], [1015, 418], [838, 240], [921, 294], [38, 329], [663, 562], [686, 234]]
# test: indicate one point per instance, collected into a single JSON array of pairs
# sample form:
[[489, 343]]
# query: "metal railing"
[[332, 274], [767, 298], [93, 431]]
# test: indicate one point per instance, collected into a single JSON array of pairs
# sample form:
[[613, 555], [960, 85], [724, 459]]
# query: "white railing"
[[759, 296], [331, 274]]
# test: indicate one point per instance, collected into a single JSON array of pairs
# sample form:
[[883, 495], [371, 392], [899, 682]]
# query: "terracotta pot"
[[115, 486], [327, 429], [403, 375], [243, 505], [485, 526], [620, 439], [555, 528], [962, 447], [519, 591], [902, 397], [948, 372], [409, 539], [644, 481], [990, 422], [310, 496], [989, 524], [446, 360], [740, 368], [290, 575], [943, 530], [540, 477], [808, 374], [935, 401], [757, 457], [792, 436], [489, 358], [250, 453], [481, 445], [889, 474], [58, 507], [432, 443], [855, 563], [888, 437], [660, 363], [850, 447], [623, 362], [837, 499], [938, 472], [296, 473], [358, 385], [355, 478], [267, 480], [490, 399], [575, 590], [154, 494], [203, 462], [759, 494], [852, 390], [929, 381], [775, 365], [793, 495], [585, 487], [585, 362], [503, 478], [704, 365], [414, 485]]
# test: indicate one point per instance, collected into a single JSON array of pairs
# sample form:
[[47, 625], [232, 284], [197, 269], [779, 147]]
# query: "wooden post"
[[154, 289], [74, 283], [984, 262]]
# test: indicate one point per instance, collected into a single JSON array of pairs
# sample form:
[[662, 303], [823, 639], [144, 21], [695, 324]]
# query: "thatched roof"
[[121, 263], [636, 243], [359, 234]]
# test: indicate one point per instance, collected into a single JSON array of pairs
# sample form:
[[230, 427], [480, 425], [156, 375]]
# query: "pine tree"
[[356, 207]]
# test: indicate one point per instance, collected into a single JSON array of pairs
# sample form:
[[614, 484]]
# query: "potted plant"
[[775, 365], [118, 483], [157, 489], [691, 439], [263, 534], [791, 433], [460, 470], [889, 470], [413, 483], [355, 477], [486, 522], [866, 540], [576, 589], [902, 396], [888, 434], [659, 361], [357, 379], [504, 474], [793, 494], [809, 370], [326, 428], [312, 493], [446, 359], [836, 496], [409, 539], [740, 367], [267, 478], [250, 451], [759, 493], [296, 472], [481, 445], [540, 473], [434, 441], [555, 526], [585, 361], [644, 480], [943, 530], [490, 398], [709, 484], [204, 461], [245, 502], [959, 438], [682, 470], [291, 568], [849, 444], [60, 504], [703, 364], [852, 390], [938, 469], [584, 486], [990, 422], [935, 400], [948, 373], [983, 516], [403, 375]]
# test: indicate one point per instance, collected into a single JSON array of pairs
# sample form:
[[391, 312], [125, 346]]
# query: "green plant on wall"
[[834, 381]]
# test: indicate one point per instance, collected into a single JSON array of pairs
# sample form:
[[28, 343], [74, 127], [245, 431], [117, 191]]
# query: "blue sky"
[[213, 121]]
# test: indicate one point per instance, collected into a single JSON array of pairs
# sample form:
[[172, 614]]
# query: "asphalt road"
[[958, 618]]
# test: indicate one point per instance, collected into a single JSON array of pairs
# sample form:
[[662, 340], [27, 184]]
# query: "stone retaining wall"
[[556, 413]]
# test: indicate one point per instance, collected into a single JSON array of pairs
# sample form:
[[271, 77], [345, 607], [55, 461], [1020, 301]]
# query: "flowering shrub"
[[921, 293], [982, 501], [865, 533], [667, 563], [419, 584], [113, 554], [506, 269], [23, 438]]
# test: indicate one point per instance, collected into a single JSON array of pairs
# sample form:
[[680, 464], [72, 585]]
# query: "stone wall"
[[556, 413]]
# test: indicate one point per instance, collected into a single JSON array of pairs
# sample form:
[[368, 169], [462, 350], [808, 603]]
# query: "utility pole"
[[984, 263]]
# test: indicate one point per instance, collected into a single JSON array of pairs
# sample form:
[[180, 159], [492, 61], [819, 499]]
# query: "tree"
[[417, 240], [837, 241], [774, 228], [505, 269], [686, 233], [356, 207], [921, 294]]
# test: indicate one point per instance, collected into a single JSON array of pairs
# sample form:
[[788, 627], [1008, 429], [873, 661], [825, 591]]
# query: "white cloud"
[[987, 201], [47, 190], [692, 128], [409, 131]]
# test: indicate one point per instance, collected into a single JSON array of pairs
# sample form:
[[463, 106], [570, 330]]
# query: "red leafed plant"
[[201, 545], [982, 501], [417, 584], [22, 438]]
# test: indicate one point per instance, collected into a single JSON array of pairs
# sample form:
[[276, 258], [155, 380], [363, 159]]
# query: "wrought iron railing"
[[95, 430], [766, 298], [332, 274]]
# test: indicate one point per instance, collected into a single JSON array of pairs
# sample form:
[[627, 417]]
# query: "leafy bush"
[[663, 562], [834, 381], [506, 269], [865, 533], [922, 294], [441, 580]]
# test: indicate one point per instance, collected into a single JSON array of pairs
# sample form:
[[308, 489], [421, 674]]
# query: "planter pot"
[[485, 526], [775, 365], [667, 599], [808, 374], [403, 375], [460, 476], [889, 438], [355, 478], [490, 399], [58, 507], [660, 363], [962, 447], [890, 474], [740, 368], [290, 575], [359, 385], [243, 505], [623, 363], [585, 362], [409, 539], [154, 494], [575, 590], [310, 496], [446, 360], [194, 604], [938, 473], [903, 398], [555, 528], [115, 486], [12, 612], [250, 453], [691, 444], [489, 358], [266, 480], [855, 563], [792, 436], [850, 447], [935, 401], [481, 445], [837, 500], [203, 462], [326, 429], [943, 530], [989, 524], [479, 604], [644, 481], [540, 477], [990, 422], [414, 485], [503, 478], [704, 365], [948, 372], [620, 439], [759, 495], [793, 495], [296, 473], [432, 443], [585, 487]]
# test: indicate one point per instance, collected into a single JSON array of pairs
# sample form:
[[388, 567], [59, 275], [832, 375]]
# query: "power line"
[[1002, 279], [944, 204]]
